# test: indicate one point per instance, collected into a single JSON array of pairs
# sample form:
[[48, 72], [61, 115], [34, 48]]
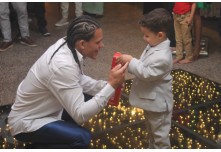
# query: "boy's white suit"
[[152, 87]]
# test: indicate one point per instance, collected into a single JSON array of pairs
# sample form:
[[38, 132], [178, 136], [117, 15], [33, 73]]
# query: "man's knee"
[[82, 140]]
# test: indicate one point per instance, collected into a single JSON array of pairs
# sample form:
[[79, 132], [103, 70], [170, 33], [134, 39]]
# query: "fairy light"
[[188, 90]]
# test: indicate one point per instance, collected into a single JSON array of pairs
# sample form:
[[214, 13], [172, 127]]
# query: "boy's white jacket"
[[152, 87]]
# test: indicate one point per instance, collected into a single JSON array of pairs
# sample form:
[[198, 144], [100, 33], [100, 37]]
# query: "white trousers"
[[21, 10], [65, 9], [158, 127]]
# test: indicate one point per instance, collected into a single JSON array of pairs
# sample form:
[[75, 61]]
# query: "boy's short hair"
[[158, 20]]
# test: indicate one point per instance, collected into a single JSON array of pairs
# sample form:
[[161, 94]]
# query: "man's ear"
[[82, 44]]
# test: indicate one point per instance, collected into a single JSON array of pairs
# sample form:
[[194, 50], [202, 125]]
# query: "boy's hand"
[[124, 58]]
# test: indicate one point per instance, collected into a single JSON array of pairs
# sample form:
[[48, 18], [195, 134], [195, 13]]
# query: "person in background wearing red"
[[183, 13]]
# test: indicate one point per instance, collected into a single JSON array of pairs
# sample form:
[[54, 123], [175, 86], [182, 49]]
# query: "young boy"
[[183, 13], [152, 88]]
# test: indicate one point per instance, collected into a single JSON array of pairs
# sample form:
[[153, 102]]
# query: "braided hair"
[[81, 28]]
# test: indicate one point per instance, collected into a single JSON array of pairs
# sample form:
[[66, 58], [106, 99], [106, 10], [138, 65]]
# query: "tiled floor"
[[121, 33]]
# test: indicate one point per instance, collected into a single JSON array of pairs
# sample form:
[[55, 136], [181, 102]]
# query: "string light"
[[196, 107]]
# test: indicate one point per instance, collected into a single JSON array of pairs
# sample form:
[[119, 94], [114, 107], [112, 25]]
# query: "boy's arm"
[[151, 72]]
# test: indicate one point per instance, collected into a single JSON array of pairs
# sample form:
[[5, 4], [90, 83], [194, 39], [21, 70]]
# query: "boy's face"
[[152, 38]]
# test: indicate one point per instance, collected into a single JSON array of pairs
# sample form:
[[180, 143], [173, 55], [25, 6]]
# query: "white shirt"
[[50, 87]]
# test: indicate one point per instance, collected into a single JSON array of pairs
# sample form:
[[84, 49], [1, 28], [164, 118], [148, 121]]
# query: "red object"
[[114, 100], [182, 7]]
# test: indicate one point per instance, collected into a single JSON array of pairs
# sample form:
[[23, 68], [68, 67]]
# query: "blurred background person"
[[38, 10], [5, 24], [65, 12], [95, 9]]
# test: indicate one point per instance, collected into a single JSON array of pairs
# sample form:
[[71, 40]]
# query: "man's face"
[[150, 37], [92, 47]]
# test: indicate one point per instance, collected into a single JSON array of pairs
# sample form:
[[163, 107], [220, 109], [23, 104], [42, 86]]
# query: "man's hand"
[[117, 75]]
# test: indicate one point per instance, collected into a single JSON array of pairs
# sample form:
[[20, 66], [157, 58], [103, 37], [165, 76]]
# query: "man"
[[55, 83]]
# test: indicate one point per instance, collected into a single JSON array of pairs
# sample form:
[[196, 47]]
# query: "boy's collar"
[[162, 45]]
